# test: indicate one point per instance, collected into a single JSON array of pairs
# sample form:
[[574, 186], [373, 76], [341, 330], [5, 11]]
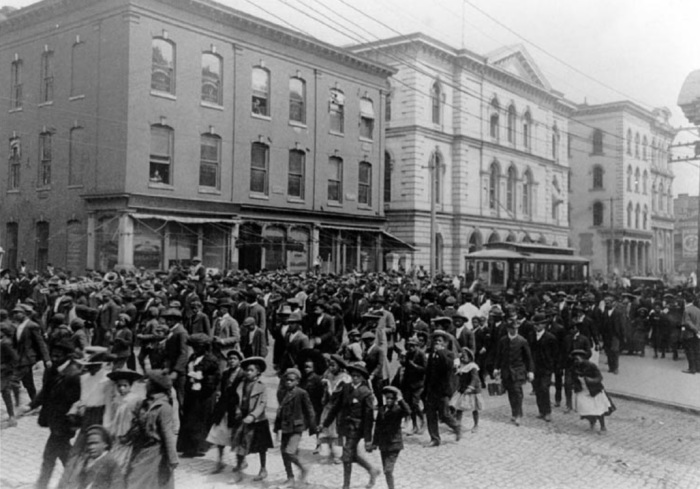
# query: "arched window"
[[47, 65], [16, 84], [212, 75], [645, 217], [597, 142], [636, 180], [637, 212], [260, 101], [45, 158], [527, 129], [437, 183], [598, 213], [336, 111], [297, 100], [527, 193], [494, 175], [79, 70], [636, 145], [629, 142], [387, 176], [494, 119], [510, 190], [511, 124], [644, 148], [436, 101], [630, 209], [597, 177], [296, 176], [555, 143], [163, 66], [645, 182], [629, 178]]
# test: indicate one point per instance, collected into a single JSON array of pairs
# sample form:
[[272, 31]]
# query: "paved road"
[[646, 447]]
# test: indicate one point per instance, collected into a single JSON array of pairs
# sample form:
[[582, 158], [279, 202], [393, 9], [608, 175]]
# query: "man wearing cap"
[[374, 359], [514, 365], [438, 388], [106, 319], [31, 347], [613, 332], [226, 332], [412, 382], [545, 356], [176, 353], [296, 341], [197, 275]]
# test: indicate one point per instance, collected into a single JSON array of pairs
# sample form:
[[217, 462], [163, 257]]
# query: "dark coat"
[[105, 473], [545, 353], [587, 374], [295, 413], [176, 352], [228, 400], [414, 372], [374, 359], [59, 392], [325, 332], [387, 428], [578, 342], [514, 359], [31, 346], [353, 406], [438, 374]]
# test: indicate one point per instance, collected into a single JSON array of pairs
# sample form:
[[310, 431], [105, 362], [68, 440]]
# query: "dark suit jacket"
[[105, 473], [438, 374], [295, 413], [58, 393], [387, 428], [291, 355], [414, 372], [545, 353], [325, 331], [374, 359], [571, 343], [354, 409], [514, 359], [176, 353], [31, 346], [466, 339]]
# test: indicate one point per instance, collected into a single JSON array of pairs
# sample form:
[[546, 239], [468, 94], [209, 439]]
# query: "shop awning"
[[392, 242], [336, 227], [183, 219]]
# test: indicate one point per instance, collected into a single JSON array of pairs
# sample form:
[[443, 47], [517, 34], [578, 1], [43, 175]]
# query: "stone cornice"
[[629, 107]]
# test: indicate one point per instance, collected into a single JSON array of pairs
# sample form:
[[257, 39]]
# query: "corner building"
[[622, 199], [141, 133], [483, 137]]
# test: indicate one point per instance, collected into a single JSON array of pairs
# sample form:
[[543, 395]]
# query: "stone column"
[[358, 252], [233, 244], [90, 262], [125, 253], [316, 243]]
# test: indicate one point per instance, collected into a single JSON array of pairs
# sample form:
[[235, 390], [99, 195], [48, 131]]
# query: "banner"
[[690, 243]]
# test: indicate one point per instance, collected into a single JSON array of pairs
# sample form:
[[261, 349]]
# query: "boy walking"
[[387, 431]]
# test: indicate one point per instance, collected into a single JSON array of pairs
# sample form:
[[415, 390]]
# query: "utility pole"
[[433, 214], [611, 263]]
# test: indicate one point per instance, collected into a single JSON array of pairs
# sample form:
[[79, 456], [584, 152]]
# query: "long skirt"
[[252, 438], [220, 433], [194, 425], [467, 402], [149, 469], [329, 434], [598, 405]]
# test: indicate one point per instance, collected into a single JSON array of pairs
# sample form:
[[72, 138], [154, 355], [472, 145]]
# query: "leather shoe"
[[548, 418], [689, 371], [262, 475], [516, 421], [433, 444]]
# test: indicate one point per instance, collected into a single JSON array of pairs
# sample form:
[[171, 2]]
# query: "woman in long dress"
[[591, 402], [333, 379], [121, 404]]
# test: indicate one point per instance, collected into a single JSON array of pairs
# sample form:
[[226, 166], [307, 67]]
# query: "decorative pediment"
[[516, 61]]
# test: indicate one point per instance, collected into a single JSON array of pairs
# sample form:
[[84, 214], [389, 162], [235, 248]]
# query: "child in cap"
[[467, 397], [387, 430], [294, 415]]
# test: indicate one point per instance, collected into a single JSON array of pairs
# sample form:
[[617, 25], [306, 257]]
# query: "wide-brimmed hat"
[[161, 380], [95, 355], [360, 369], [199, 339], [126, 374], [368, 335], [295, 317], [292, 372], [581, 353], [370, 316], [257, 361], [171, 313], [468, 352], [339, 360], [238, 353], [390, 389], [441, 333], [539, 318]]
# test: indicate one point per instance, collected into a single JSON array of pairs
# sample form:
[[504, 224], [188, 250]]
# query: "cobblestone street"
[[646, 446]]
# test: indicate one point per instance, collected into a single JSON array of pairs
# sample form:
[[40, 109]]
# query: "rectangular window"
[[161, 156], [42, 245], [163, 66], [364, 187], [295, 180], [366, 118], [297, 100], [46, 77], [335, 179], [261, 92], [259, 159], [337, 111], [16, 85], [12, 236], [77, 156], [45, 157], [79, 70], [209, 161], [14, 163], [211, 78]]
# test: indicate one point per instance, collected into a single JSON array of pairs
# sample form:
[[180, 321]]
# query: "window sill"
[[162, 186], [335, 204], [296, 200], [339, 134], [209, 190], [366, 140], [596, 189], [43, 189], [76, 97], [17, 109], [165, 95], [301, 125], [13, 191], [364, 207], [210, 105], [76, 186], [261, 117], [257, 196], [48, 103]]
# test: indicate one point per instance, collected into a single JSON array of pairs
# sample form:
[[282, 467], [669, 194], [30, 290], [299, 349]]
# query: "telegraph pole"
[[611, 264], [433, 214]]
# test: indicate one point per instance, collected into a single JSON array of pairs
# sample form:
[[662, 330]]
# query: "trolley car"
[[508, 264]]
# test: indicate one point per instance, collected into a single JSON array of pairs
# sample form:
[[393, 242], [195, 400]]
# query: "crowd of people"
[[143, 368]]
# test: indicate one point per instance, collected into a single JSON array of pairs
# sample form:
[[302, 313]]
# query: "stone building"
[[621, 199], [483, 137], [141, 133]]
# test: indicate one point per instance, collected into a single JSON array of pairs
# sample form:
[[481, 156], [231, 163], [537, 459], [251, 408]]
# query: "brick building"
[[144, 132]]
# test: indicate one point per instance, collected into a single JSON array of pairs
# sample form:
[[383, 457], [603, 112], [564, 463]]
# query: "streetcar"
[[508, 264]]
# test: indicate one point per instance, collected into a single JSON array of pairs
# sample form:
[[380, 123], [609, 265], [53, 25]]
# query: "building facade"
[[622, 205], [685, 239], [144, 132], [483, 139]]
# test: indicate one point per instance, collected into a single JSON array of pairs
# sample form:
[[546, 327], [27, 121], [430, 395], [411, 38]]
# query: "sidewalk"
[[658, 381]]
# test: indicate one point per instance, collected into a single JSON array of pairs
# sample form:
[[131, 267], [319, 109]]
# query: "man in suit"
[[412, 382], [107, 318], [613, 332], [226, 331], [558, 330], [438, 388], [296, 341], [176, 353], [352, 405], [60, 390], [374, 359], [515, 366], [31, 347], [690, 334], [322, 331], [545, 356], [463, 333]]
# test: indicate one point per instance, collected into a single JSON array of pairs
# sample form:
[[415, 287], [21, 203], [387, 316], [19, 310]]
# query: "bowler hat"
[[126, 374]]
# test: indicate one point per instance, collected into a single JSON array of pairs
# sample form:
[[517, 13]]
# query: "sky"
[[594, 50]]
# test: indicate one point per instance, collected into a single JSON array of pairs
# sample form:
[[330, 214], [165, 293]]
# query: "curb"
[[655, 402]]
